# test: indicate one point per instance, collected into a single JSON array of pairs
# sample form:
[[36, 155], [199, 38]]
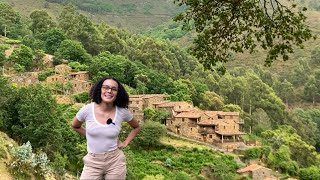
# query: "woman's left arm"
[[136, 128]]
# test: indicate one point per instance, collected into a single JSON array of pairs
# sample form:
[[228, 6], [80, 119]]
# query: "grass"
[[179, 143]]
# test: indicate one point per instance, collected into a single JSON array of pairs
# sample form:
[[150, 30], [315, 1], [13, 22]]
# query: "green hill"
[[135, 16]]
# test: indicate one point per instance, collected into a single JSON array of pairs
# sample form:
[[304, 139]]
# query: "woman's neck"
[[106, 107]]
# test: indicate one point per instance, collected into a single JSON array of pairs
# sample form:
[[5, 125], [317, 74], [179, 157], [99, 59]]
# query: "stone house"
[[81, 75], [184, 119], [25, 79], [206, 126], [137, 103], [63, 69], [185, 123], [256, 172], [174, 107]]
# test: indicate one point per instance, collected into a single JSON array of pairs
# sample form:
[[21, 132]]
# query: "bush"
[[149, 136], [81, 97], [182, 176], [312, 172], [43, 76], [25, 164], [253, 153]]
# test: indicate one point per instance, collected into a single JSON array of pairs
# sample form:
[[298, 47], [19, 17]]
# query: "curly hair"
[[122, 99]]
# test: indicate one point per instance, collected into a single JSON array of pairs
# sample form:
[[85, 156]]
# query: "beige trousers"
[[109, 166]]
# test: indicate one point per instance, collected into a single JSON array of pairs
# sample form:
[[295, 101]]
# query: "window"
[[210, 136], [171, 122], [224, 127], [182, 119], [191, 129]]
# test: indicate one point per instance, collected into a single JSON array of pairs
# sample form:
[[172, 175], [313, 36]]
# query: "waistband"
[[117, 150]]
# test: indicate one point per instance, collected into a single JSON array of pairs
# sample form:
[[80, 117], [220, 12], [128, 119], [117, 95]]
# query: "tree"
[[211, 101], [52, 40], [41, 21], [11, 23], [7, 98], [225, 26], [73, 51], [37, 119], [22, 56], [311, 91], [300, 151], [261, 121], [284, 90]]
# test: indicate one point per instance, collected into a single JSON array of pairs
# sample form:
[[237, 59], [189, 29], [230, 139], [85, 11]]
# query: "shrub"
[[312, 172], [81, 97], [25, 164], [149, 136], [253, 153]]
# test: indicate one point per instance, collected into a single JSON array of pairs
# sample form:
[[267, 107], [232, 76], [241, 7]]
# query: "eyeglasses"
[[109, 121], [107, 88]]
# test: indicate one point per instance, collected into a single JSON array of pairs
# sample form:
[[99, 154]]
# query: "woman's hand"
[[122, 145]]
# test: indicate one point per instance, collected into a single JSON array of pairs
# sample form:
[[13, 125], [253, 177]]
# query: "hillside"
[[135, 16]]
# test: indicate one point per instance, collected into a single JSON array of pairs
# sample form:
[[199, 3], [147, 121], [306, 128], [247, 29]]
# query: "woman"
[[103, 118]]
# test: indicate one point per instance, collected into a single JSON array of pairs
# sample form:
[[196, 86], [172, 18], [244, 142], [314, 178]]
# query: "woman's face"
[[109, 91]]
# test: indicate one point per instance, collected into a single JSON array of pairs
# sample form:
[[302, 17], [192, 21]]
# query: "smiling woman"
[[103, 118]]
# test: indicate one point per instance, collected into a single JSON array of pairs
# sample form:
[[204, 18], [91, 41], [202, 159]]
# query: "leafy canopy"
[[226, 26]]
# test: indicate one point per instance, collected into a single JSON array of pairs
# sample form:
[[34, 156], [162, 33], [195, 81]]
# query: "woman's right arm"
[[77, 126]]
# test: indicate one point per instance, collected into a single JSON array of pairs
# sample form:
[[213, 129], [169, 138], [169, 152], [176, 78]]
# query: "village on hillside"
[[217, 128]]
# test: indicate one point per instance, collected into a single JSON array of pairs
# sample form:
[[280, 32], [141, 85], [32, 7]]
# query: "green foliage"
[[22, 56], [171, 31], [152, 177], [143, 163], [113, 65], [280, 159], [11, 23], [231, 108], [211, 101], [182, 176], [284, 90], [183, 92], [297, 150], [149, 136], [260, 121], [76, 66], [315, 55], [72, 51], [43, 75], [244, 25], [12, 41], [253, 153], [305, 125], [312, 172], [24, 163], [36, 116], [52, 40], [41, 22], [81, 97], [19, 68]]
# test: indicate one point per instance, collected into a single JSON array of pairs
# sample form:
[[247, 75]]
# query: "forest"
[[279, 108]]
